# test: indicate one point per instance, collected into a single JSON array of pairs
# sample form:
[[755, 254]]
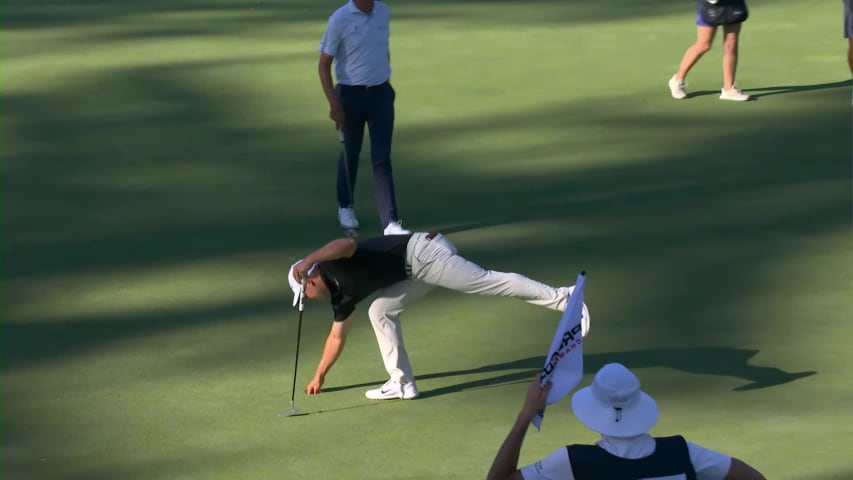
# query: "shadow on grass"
[[305, 413], [757, 92], [188, 17], [28, 344], [722, 361], [174, 173], [836, 476]]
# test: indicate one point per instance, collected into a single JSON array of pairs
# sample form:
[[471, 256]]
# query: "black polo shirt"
[[377, 263]]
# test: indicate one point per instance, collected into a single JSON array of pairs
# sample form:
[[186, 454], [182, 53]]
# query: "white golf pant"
[[432, 261]]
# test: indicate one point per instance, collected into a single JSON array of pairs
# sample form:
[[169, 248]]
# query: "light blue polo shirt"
[[359, 43]]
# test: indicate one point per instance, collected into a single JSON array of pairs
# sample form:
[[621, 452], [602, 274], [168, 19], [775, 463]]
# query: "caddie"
[[615, 407]]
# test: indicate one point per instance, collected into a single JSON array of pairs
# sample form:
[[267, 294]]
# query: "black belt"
[[367, 87]]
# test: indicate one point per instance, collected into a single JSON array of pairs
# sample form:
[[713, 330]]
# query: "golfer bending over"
[[615, 407], [402, 268]]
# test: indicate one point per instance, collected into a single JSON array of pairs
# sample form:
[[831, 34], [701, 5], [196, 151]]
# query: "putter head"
[[291, 413]]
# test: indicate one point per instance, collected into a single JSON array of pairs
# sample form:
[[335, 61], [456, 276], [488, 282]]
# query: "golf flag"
[[564, 364]]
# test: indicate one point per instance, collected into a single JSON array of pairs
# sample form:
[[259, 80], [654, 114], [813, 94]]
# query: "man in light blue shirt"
[[356, 41]]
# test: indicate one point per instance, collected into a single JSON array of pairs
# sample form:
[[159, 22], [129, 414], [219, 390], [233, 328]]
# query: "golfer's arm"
[[334, 346], [505, 465], [324, 68], [340, 248]]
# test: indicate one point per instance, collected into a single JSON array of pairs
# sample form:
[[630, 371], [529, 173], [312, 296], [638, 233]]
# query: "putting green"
[[164, 162]]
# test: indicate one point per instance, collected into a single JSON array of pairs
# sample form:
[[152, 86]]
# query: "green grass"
[[164, 162]]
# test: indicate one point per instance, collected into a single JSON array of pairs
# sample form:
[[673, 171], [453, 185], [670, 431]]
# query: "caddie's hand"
[[336, 113], [537, 396], [314, 386]]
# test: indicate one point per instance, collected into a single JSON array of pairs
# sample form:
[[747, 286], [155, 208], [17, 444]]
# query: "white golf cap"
[[614, 405], [294, 284]]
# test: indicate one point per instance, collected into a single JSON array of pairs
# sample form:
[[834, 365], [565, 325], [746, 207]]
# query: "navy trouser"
[[373, 106]]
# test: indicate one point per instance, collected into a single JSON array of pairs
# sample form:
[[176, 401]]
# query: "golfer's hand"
[[300, 271], [336, 113], [537, 396], [314, 386]]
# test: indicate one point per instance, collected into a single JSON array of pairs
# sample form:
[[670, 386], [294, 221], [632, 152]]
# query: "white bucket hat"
[[614, 405], [295, 285]]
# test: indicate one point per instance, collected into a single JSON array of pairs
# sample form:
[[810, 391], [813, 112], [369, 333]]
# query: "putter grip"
[[341, 135], [302, 296]]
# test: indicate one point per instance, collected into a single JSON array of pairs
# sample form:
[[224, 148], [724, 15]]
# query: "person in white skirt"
[[402, 268], [705, 33]]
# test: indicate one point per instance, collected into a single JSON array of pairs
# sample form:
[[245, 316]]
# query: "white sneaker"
[[584, 310], [346, 217], [393, 389], [735, 94], [676, 88], [396, 228]]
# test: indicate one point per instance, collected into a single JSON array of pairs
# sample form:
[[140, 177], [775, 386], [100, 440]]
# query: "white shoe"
[[676, 88], [393, 389], [346, 217], [584, 310], [396, 228], [735, 94]]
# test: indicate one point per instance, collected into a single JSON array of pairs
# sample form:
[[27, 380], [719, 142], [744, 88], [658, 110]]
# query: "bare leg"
[[704, 38], [730, 41]]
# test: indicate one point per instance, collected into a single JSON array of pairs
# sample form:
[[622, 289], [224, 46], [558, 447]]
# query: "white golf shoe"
[[676, 88], [393, 389], [396, 228], [734, 94], [346, 217]]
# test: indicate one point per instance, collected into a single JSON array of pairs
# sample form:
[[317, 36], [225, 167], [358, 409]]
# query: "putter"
[[350, 232], [293, 411]]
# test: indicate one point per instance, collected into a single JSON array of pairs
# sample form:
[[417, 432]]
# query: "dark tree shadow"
[[222, 16], [723, 361]]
